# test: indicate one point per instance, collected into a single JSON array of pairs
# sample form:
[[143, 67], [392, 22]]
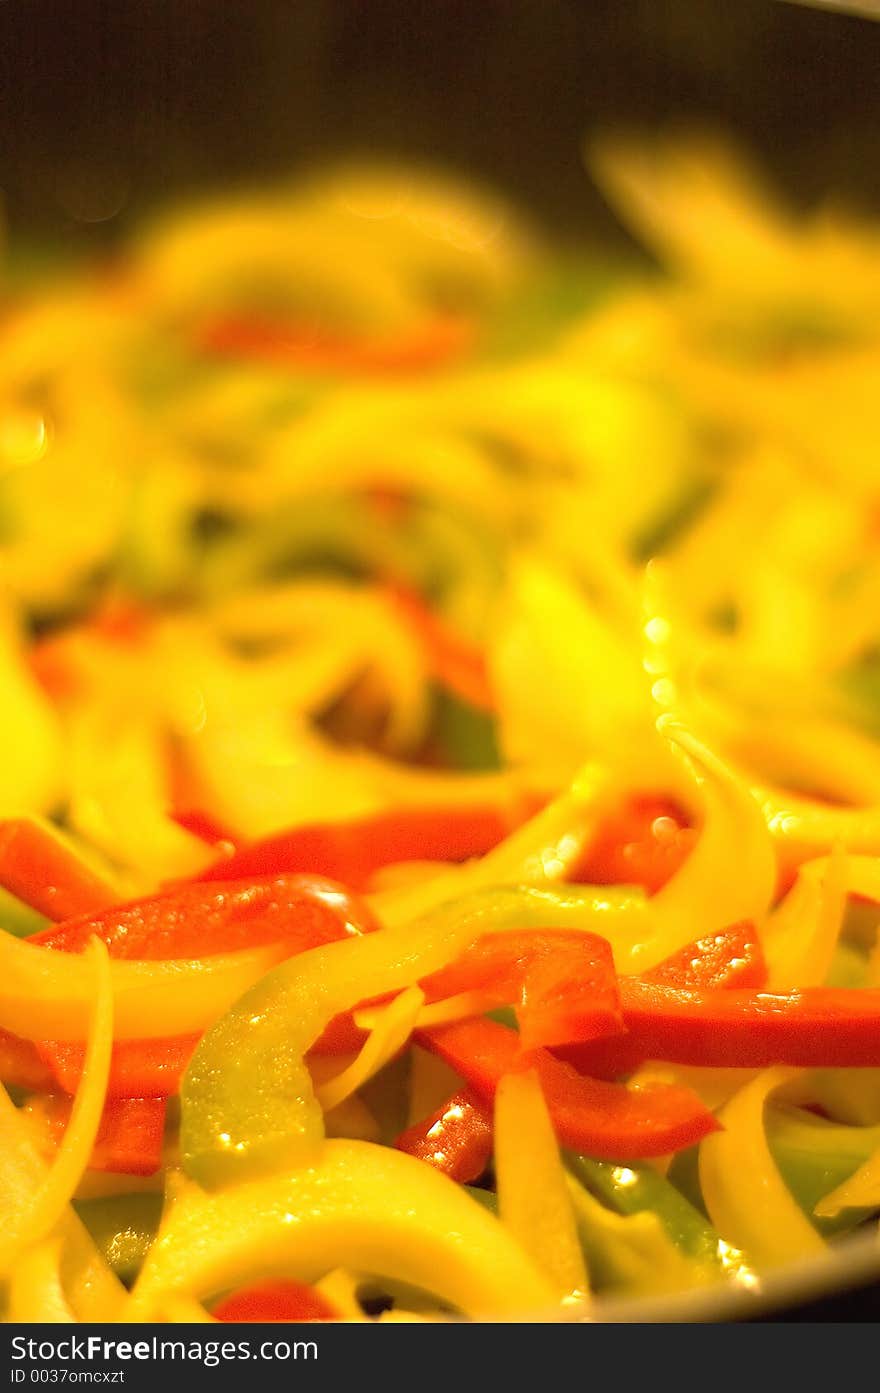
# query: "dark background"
[[110, 106]]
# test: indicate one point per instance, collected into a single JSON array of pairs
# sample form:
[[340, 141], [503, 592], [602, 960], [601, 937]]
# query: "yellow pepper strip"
[[813, 827], [92, 1290], [261, 770], [533, 1196], [47, 995], [800, 938], [703, 895], [592, 694], [36, 1293], [50, 1200], [387, 1037], [714, 1086], [453, 1008], [799, 748], [539, 852], [370, 1206], [745, 1195], [848, 1095], [351, 1117], [860, 1191]]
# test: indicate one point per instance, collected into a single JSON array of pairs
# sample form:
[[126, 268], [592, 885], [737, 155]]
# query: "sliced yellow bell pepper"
[[387, 1037], [745, 1195], [703, 895], [860, 1191], [533, 1195], [49, 1202], [45, 994], [36, 1292], [799, 939], [90, 1288], [368, 1207]]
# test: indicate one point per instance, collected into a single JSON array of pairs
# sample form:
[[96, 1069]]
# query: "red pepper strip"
[[129, 1140], [352, 851], [456, 1139], [455, 663], [818, 1027], [21, 1065], [451, 1138], [562, 982], [315, 349], [195, 921], [605, 1120], [38, 868], [643, 843], [273, 1302], [138, 1068], [732, 958]]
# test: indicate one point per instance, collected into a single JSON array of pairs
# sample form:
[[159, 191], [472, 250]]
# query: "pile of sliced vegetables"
[[439, 764]]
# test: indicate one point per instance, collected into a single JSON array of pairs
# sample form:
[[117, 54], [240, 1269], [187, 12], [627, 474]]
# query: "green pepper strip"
[[635, 1189], [248, 1106], [123, 1228], [814, 1156]]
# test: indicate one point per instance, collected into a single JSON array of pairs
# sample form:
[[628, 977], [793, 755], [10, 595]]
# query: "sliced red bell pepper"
[[314, 348], [817, 1027], [352, 851], [455, 662], [38, 867], [196, 921], [138, 1068], [21, 1065], [642, 843], [456, 1139], [129, 1140], [732, 958], [600, 1119], [273, 1302], [561, 981]]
